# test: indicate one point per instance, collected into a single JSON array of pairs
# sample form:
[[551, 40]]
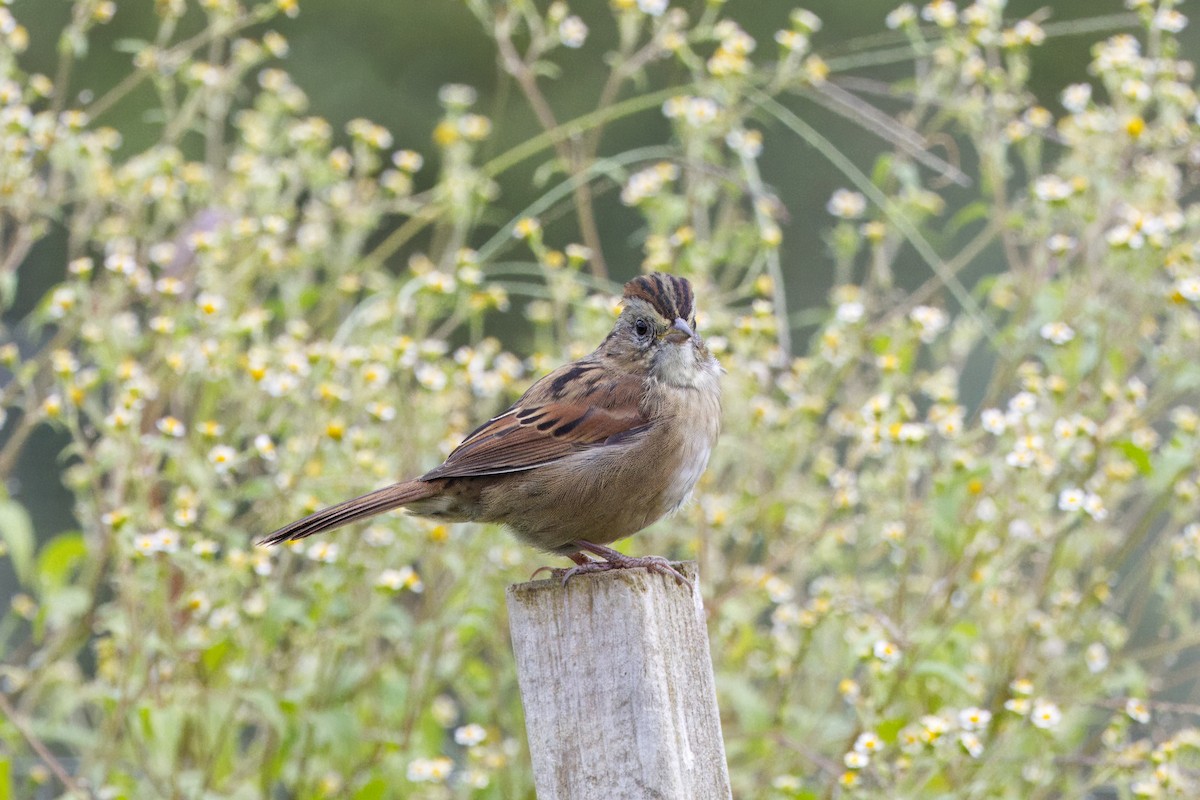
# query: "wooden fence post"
[[617, 684]]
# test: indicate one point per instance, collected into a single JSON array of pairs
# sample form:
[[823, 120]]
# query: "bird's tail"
[[376, 502]]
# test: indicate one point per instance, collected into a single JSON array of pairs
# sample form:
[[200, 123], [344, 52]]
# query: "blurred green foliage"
[[949, 543]]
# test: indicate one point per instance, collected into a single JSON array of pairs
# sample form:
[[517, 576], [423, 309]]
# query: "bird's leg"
[[617, 560]]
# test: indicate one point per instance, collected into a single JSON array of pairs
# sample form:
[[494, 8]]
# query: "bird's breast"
[[688, 435]]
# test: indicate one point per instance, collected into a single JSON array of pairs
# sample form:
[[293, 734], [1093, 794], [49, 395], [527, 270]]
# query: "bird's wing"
[[576, 407]]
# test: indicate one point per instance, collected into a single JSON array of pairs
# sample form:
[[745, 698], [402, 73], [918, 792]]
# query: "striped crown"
[[668, 295]]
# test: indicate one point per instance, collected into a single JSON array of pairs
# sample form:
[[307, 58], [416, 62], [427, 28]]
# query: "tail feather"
[[344, 513]]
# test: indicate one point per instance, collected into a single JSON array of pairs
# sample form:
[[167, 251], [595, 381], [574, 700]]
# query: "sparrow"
[[593, 452]]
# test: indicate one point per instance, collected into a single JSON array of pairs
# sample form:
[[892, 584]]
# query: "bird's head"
[[657, 330]]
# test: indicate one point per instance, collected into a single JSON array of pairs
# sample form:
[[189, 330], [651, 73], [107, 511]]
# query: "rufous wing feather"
[[524, 438], [562, 414]]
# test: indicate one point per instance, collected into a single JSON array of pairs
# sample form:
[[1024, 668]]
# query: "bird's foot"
[[614, 559]]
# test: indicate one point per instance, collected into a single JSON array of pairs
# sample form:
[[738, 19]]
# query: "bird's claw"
[[656, 564]]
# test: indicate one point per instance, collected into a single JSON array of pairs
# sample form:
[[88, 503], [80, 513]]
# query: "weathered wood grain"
[[617, 683]]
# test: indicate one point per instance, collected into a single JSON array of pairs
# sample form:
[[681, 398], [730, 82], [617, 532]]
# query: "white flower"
[[1071, 499], [1029, 32], [1022, 403], [855, 760], [846, 204], [1057, 332], [261, 562], [933, 727], [382, 411], [1045, 714], [430, 770], [1137, 710], [457, 95], [1094, 506], [1051, 189], [1096, 657], [971, 743], [198, 603], [573, 31], [792, 40], [1060, 244], [1135, 89], [62, 301], [577, 252], [700, 111], [1188, 288], [849, 312], [974, 719], [886, 651], [778, 590], [120, 263], [164, 540], [170, 426], [1125, 235], [431, 377], [993, 421], [1025, 452], [655, 8], [1169, 20], [222, 457], [205, 547], [210, 304], [156, 542], [931, 321], [323, 551], [901, 16], [1017, 705], [265, 447], [397, 579], [647, 183], [470, 735], [940, 12], [746, 143], [868, 742]]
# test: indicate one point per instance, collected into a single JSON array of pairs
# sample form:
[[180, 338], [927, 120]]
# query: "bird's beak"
[[679, 332]]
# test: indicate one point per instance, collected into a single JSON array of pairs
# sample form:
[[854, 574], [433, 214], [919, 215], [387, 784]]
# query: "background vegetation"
[[949, 543]]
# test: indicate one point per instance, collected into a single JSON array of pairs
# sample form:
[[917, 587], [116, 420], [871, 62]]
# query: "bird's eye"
[[641, 328]]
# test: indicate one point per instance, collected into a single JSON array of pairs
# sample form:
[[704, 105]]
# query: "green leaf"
[[373, 790], [889, 729], [17, 532], [59, 558], [212, 657], [966, 629], [5, 779], [309, 297], [1139, 457]]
